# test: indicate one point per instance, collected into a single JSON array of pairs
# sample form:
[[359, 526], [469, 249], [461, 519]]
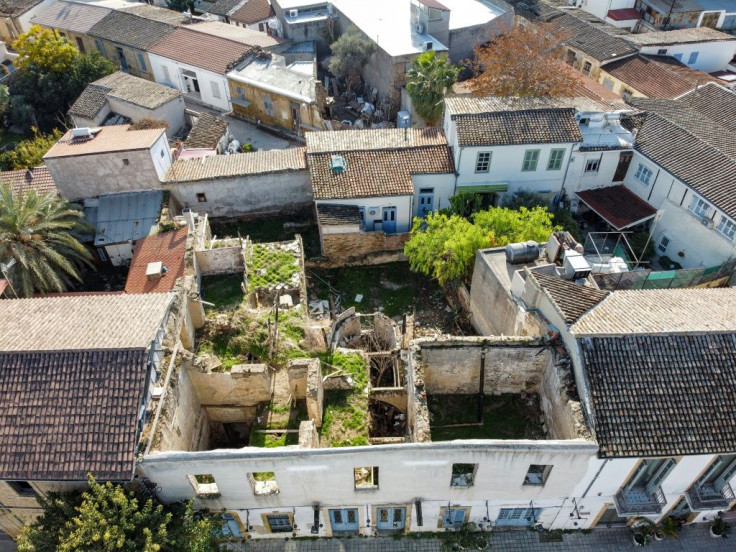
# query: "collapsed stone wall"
[[350, 245]]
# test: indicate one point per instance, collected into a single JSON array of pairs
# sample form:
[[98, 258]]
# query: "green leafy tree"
[[50, 77], [107, 517], [427, 82], [350, 53], [4, 102], [29, 153], [36, 231], [443, 246]]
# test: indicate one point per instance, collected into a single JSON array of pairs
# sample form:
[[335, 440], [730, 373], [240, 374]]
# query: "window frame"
[[693, 57], [557, 162], [662, 246], [699, 207], [726, 223], [543, 475], [280, 528], [201, 197], [215, 89], [587, 67], [22, 488], [488, 156], [374, 479], [644, 174], [592, 165], [460, 470], [142, 62], [531, 160]]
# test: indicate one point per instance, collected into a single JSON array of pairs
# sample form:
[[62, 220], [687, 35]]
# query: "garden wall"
[[355, 244], [221, 260]]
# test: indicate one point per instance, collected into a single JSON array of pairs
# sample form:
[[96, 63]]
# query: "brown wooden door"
[[624, 160]]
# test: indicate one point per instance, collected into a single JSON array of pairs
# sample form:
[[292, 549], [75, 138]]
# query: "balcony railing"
[[709, 497], [636, 501]]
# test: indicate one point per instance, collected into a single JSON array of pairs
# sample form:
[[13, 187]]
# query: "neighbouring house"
[[177, 60], [16, 16], [256, 183], [122, 98], [454, 27], [87, 163], [589, 42], [703, 49], [305, 20], [651, 76], [74, 20], [120, 220], [238, 34], [685, 166], [77, 376], [125, 36], [7, 59], [251, 14], [209, 136], [37, 179], [267, 91], [386, 176]]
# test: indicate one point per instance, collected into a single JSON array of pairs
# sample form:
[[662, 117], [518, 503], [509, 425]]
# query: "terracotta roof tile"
[[233, 32], [680, 36], [170, 249], [107, 139], [663, 395], [253, 11], [90, 101], [617, 205], [657, 76], [572, 300], [356, 140], [187, 46], [70, 16], [66, 414], [376, 173], [224, 7], [505, 128], [127, 27], [334, 215], [239, 164], [13, 8], [38, 179], [80, 322], [206, 132], [657, 311]]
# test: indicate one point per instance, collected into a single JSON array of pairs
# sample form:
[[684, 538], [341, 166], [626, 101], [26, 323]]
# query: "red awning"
[[624, 14], [618, 206]]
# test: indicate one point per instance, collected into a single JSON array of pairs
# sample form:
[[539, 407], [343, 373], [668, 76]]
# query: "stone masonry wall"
[[512, 365], [346, 246], [222, 260]]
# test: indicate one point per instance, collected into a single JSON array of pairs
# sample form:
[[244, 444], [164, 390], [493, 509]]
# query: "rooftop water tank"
[[524, 252]]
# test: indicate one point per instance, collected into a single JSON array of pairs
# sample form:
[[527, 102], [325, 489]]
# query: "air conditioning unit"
[[373, 211], [706, 222], [83, 132], [419, 28], [293, 13]]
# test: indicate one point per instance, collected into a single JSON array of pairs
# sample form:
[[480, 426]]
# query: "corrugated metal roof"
[[126, 217]]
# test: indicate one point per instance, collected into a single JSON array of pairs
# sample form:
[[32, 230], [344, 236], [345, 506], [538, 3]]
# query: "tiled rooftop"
[[505, 128], [661, 311], [617, 205], [107, 139], [239, 164], [90, 101], [680, 36], [335, 215], [66, 414], [662, 395], [376, 173], [13, 8], [253, 11], [168, 248], [715, 102], [570, 299], [76, 17], [38, 179], [657, 76], [206, 132], [356, 140], [70, 323], [242, 35], [224, 7], [187, 46], [466, 104], [130, 29]]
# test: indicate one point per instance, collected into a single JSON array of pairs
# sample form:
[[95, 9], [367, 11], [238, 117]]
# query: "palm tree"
[[427, 82], [37, 232]]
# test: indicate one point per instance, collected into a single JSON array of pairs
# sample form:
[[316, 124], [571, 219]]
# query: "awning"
[[624, 14], [618, 206], [483, 188]]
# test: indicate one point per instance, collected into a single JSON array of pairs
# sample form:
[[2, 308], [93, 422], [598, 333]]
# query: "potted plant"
[[643, 529], [667, 529], [719, 529]]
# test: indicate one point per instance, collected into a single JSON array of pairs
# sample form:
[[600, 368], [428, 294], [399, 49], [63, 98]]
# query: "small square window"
[[204, 485], [126, 162], [463, 475], [592, 165], [662, 52], [483, 162], [202, 198], [279, 523], [587, 66], [537, 474], [365, 478], [531, 157], [693, 58], [662, 247], [23, 488], [626, 94], [643, 174], [263, 483]]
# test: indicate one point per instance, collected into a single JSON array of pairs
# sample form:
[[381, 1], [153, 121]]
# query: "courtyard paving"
[[692, 539]]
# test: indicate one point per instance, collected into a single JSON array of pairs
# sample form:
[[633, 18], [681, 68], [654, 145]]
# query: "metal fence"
[[713, 276]]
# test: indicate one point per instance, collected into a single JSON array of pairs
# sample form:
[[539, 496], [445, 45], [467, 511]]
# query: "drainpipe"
[[564, 178], [598, 473]]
